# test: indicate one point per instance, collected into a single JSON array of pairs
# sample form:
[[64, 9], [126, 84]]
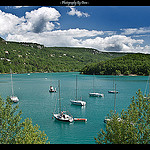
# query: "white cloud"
[[118, 43], [38, 26], [39, 20], [9, 23], [74, 11], [129, 31]]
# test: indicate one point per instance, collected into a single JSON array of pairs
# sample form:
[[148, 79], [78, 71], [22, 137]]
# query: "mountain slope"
[[129, 64], [32, 57]]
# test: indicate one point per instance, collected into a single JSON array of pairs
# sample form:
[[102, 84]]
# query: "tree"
[[12, 131], [134, 126]]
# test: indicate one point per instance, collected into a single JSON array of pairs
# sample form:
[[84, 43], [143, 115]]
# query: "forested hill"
[[129, 64], [32, 57]]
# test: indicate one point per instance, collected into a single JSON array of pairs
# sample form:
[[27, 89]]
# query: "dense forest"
[[32, 57], [138, 64]]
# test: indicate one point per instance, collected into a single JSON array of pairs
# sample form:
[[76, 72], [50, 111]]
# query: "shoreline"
[[132, 75]]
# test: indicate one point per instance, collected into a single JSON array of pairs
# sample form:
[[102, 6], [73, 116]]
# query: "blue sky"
[[105, 28]]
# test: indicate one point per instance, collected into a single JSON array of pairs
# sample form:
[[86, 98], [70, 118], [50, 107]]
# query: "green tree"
[[13, 131], [134, 127]]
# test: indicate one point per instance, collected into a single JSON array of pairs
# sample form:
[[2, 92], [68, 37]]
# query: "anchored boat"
[[76, 101], [13, 98], [62, 115], [94, 94], [113, 91]]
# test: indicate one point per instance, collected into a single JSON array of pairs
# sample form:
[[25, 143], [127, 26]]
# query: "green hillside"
[[129, 64], [32, 57]]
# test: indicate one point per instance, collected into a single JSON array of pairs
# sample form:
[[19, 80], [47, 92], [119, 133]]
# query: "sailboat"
[[113, 91], [12, 97], [94, 94], [107, 119], [62, 115], [76, 101]]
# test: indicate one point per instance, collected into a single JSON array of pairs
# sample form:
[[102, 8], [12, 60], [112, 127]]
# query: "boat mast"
[[113, 83], [149, 85], [76, 88], [59, 96], [93, 83], [115, 100], [12, 83]]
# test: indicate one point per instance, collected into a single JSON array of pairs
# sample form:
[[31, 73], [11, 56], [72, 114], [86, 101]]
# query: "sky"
[[105, 28]]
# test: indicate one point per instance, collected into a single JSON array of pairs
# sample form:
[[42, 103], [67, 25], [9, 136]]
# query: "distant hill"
[[138, 64], [24, 57]]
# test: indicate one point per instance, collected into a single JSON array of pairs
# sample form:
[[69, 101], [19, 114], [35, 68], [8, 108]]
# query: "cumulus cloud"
[[9, 22], [74, 11], [39, 20]]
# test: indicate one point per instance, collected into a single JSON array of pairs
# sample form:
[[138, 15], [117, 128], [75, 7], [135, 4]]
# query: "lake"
[[37, 103]]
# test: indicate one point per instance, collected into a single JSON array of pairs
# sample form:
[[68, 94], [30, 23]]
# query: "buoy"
[[52, 117]]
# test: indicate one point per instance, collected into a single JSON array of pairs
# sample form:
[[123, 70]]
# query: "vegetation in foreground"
[[134, 127], [13, 130]]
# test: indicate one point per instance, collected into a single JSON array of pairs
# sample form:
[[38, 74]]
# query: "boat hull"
[[79, 103], [14, 99], [63, 118], [96, 95], [113, 92]]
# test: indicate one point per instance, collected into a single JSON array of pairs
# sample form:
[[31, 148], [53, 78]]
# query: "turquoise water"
[[37, 103]]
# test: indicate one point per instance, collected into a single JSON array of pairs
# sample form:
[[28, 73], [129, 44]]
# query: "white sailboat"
[[76, 101], [108, 119], [13, 97], [62, 115], [113, 91], [95, 94]]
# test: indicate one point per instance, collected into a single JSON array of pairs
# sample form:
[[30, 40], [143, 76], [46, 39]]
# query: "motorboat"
[[52, 89]]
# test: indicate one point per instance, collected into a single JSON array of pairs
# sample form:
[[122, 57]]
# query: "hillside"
[[129, 64], [32, 57]]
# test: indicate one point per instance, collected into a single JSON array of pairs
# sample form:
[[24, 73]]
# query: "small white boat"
[[13, 98], [96, 94], [78, 102], [52, 89], [107, 120], [113, 92]]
